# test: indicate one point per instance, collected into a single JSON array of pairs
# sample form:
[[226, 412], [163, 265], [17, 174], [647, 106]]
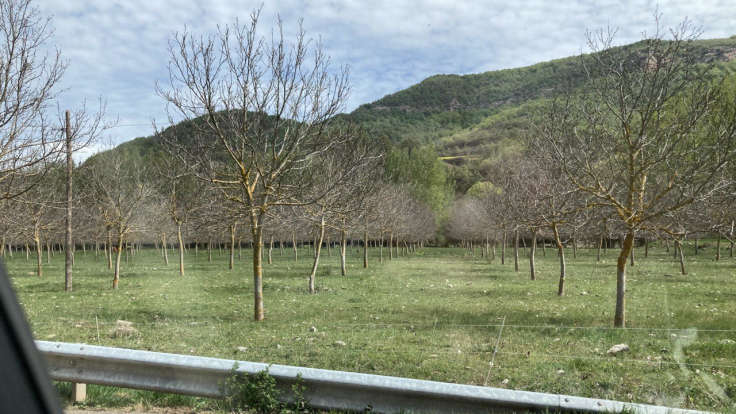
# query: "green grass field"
[[437, 314]]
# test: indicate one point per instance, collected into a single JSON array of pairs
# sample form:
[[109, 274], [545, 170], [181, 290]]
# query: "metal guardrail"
[[325, 389]]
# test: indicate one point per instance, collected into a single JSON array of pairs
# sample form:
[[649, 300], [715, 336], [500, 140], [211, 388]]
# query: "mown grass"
[[436, 314]]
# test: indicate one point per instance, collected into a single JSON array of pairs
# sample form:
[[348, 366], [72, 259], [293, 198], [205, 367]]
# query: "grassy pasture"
[[437, 314]]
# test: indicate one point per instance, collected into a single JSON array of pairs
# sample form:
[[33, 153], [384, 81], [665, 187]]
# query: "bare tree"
[[41, 204], [264, 109], [182, 194], [347, 176], [120, 190], [28, 78], [644, 137], [80, 129]]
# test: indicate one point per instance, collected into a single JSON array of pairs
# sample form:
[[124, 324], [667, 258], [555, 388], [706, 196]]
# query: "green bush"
[[258, 392]]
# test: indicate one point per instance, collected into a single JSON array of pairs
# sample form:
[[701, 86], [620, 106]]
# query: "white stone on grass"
[[618, 348]]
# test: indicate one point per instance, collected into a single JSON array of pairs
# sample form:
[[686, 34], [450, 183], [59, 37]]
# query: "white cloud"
[[117, 49]]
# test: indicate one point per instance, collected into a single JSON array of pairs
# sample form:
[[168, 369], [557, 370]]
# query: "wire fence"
[[438, 324], [290, 337]]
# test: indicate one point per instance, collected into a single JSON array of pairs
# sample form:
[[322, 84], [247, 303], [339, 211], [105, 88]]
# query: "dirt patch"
[[134, 410]]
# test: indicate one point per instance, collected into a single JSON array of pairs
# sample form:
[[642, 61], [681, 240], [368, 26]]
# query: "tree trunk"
[[600, 247], [270, 250], [574, 247], [181, 249], [293, 244], [165, 248], [678, 244], [718, 247], [343, 248], [365, 248], [314, 245], [631, 255], [256, 231], [503, 249], [39, 255], [232, 248], [696, 246], [646, 247], [561, 254], [390, 245], [619, 319], [523, 244], [516, 250], [68, 247], [544, 247], [209, 250], [532, 250], [109, 249], [380, 246], [116, 276], [317, 250]]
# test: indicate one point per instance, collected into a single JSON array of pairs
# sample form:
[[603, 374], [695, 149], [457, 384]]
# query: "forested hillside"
[[445, 104], [473, 120]]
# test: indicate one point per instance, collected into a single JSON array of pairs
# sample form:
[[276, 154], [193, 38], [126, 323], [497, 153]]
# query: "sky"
[[117, 50]]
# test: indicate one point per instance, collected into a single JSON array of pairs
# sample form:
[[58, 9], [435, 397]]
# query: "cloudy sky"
[[116, 50]]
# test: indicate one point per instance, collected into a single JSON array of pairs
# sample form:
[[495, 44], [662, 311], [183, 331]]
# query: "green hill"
[[460, 112], [473, 120]]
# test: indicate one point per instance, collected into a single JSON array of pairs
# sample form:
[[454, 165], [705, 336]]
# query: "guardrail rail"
[[325, 389]]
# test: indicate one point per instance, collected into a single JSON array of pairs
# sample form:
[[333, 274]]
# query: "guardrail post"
[[79, 392]]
